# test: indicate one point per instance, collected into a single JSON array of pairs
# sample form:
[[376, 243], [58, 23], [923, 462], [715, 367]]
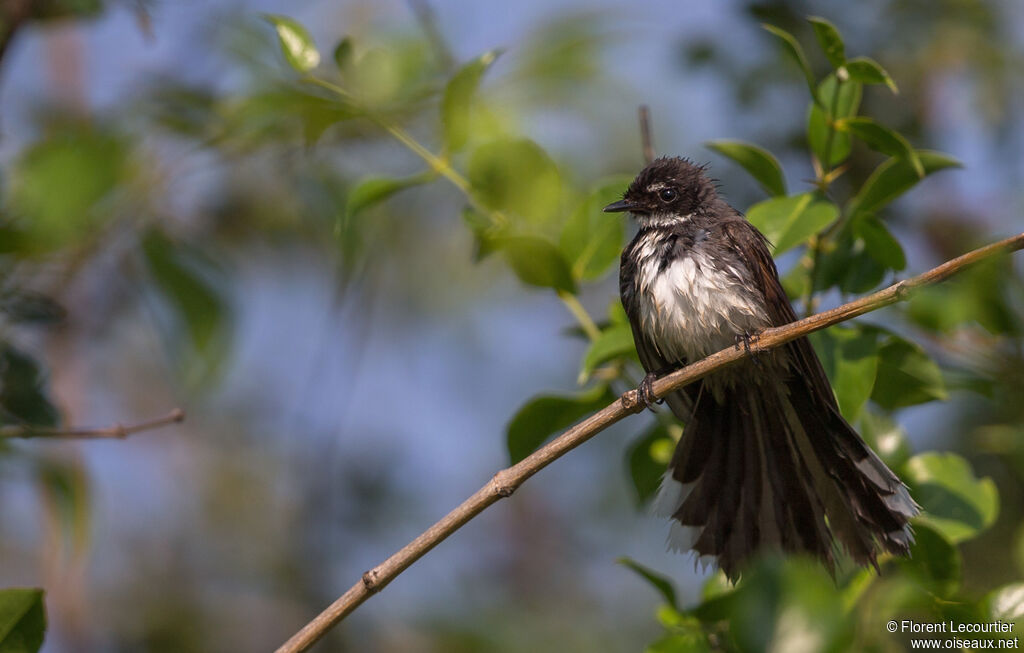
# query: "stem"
[[117, 431], [576, 308], [506, 481]]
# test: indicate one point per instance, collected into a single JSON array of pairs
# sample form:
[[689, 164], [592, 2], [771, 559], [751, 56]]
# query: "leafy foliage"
[[22, 620]]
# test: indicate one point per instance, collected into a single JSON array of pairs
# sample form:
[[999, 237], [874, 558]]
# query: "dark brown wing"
[[752, 247]]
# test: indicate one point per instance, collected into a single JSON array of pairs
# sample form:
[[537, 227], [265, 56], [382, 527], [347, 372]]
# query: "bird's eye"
[[667, 194]]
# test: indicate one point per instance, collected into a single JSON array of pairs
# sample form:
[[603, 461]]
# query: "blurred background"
[[179, 230]]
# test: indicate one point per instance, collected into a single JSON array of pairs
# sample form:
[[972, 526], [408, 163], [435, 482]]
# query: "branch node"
[[902, 291], [371, 581], [631, 402], [502, 487]]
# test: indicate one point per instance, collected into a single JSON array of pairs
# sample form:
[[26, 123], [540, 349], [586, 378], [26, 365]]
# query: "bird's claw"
[[646, 391], [746, 338]]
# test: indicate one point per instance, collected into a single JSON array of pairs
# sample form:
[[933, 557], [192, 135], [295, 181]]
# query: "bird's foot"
[[646, 391], [747, 339]]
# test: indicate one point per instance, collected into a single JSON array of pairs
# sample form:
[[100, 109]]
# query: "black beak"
[[619, 207]]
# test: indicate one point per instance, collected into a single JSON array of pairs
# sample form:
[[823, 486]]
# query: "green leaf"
[[518, 176], [839, 104], [662, 584], [544, 415], [296, 43], [592, 240], [23, 395], [22, 620], [933, 562], [182, 277], [648, 458], [61, 186], [1007, 604], [906, 376], [882, 139], [894, 177], [955, 502], [850, 358], [614, 342], [343, 54], [867, 71], [375, 190], [757, 161], [830, 41], [537, 262], [879, 243], [793, 48], [789, 221], [458, 99]]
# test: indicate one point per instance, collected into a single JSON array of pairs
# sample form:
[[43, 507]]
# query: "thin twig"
[[117, 432], [645, 133], [505, 482]]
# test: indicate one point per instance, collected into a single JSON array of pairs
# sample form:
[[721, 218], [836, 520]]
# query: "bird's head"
[[669, 190]]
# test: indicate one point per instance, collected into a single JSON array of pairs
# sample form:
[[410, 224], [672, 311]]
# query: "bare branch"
[[505, 482], [645, 133], [116, 432]]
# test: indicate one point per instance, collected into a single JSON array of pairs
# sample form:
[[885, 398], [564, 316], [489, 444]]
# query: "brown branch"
[[505, 482], [116, 432], [645, 133]]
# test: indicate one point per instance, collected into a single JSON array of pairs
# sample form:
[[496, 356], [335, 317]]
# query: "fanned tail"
[[767, 466]]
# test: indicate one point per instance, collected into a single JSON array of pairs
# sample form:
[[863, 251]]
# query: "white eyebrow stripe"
[[656, 186]]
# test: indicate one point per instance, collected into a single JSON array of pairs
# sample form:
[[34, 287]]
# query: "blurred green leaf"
[[840, 104], [458, 99], [978, 295], [867, 71], [956, 503], [790, 221], [882, 139], [850, 357], [830, 41], [614, 342], [544, 415], [22, 620], [375, 190], [516, 175], [343, 54], [894, 177], [1007, 604], [181, 276], [23, 396], [592, 240], [537, 262], [296, 43], [906, 376], [65, 487], [757, 161], [933, 562], [65, 9], [648, 458], [792, 47], [846, 263], [86, 164], [660, 583], [879, 243], [485, 238]]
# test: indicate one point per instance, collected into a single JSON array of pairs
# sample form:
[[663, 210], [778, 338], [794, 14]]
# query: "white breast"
[[691, 308]]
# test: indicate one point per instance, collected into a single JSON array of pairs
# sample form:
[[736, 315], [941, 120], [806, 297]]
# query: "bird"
[[766, 462]]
